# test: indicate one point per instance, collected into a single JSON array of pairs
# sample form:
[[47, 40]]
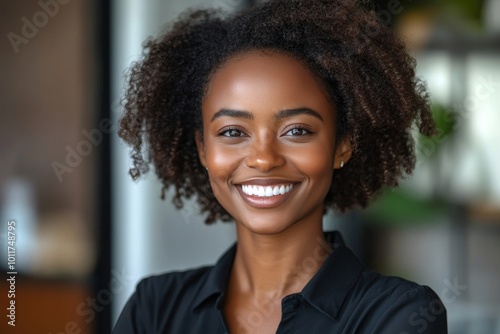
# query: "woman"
[[270, 117]]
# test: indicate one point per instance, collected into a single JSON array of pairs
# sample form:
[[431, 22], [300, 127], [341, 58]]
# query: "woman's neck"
[[273, 266]]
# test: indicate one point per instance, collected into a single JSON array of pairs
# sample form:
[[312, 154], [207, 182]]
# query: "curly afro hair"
[[364, 67]]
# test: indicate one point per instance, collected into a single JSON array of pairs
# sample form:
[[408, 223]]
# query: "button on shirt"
[[342, 297]]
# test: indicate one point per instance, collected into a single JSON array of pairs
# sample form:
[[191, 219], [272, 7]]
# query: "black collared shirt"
[[342, 297]]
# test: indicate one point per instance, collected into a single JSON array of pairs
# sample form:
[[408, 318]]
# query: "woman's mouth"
[[266, 191], [270, 196]]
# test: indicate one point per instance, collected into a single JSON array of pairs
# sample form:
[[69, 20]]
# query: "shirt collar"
[[326, 291], [217, 279], [328, 288]]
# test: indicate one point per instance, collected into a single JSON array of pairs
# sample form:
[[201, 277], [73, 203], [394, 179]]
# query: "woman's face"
[[269, 142]]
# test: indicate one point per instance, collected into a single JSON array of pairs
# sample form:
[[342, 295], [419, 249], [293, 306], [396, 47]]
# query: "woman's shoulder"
[[162, 300], [187, 283], [176, 277], [398, 305], [375, 281], [158, 297], [394, 289], [172, 283]]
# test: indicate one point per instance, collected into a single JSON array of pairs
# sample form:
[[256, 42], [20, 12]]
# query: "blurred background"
[[85, 233]]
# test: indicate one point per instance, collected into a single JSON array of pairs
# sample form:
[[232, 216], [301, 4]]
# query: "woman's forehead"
[[258, 76], [264, 84]]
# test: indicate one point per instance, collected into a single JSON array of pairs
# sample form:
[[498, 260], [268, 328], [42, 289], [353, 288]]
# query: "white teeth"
[[267, 191]]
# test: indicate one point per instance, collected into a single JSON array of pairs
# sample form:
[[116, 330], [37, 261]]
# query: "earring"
[[206, 168], [342, 164]]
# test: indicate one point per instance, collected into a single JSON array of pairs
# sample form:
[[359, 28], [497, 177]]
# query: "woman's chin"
[[265, 225]]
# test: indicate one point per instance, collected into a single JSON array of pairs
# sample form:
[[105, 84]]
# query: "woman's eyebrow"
[[279, 115], [232, 113], [298, 111]]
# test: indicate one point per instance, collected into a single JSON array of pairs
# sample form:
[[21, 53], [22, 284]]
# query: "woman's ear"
[[201, 148], [343, 153]]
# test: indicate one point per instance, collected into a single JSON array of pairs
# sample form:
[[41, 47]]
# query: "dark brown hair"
[[363, 65]]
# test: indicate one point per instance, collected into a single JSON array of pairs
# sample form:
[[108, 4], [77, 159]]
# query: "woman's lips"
[[264, 202], [266, 191]]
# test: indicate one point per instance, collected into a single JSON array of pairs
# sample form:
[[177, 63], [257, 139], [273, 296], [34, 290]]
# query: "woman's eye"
[[298, 132], [232, 133]]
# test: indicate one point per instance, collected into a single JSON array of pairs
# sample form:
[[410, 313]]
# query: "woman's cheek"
[[313, 158], [222, 162]]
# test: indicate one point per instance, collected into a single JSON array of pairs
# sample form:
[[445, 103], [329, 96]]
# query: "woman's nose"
[[265, 155]]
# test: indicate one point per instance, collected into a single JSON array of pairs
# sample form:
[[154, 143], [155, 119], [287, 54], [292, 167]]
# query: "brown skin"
[[272, 242]]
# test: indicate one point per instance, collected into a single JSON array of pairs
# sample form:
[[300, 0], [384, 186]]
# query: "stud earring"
[[342, 164]]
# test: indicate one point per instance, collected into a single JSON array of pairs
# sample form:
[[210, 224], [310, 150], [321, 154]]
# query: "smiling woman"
[[270, 117]]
